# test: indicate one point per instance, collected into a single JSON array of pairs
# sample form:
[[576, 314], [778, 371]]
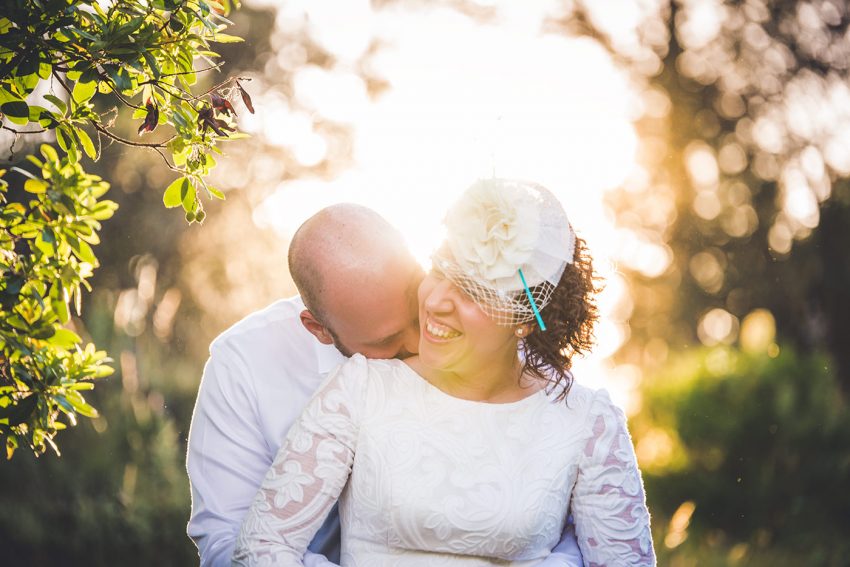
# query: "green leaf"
[[65, 338], [49, 153], [46, 246], [225, 38], [61, 310], [215, 192], [151, 61], [89, 75], [88, 145], [80, 404], [130, 27], [24, 171], [29, 65], [25, 84], [104, 210], [82, 250], [17, 111], [35, 186], [43, 116], [179, 119], [119, 76], [66, 140], [174, 192], [84, 91], [64, 404], [103, 371], [44, 69], [188, 197], [62, 139], [6, 95], [58, 102]]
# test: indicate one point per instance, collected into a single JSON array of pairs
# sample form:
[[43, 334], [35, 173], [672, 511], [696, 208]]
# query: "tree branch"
[[24, 131], [100, 128]]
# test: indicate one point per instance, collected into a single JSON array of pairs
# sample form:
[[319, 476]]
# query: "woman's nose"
[[439, 298]]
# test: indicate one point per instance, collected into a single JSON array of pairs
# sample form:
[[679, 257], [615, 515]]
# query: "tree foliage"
[[70, 67]]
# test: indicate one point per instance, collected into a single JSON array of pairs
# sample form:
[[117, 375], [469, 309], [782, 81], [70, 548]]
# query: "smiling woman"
[[511, 258]]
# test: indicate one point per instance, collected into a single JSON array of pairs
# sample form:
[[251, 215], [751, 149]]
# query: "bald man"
[[358, 286]]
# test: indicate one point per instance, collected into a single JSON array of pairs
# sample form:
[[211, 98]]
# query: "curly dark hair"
[[569, 316]]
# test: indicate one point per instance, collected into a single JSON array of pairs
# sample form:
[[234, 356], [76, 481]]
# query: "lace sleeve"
[[609, 506], [308, 473]]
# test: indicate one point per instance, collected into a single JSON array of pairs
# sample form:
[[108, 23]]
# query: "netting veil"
[[497, 228]]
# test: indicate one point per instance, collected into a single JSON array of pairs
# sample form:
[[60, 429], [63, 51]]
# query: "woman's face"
[[456, 335]]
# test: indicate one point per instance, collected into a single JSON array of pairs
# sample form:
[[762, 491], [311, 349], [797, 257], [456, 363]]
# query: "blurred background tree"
[[734, 219], [745, 154], [744, 205]]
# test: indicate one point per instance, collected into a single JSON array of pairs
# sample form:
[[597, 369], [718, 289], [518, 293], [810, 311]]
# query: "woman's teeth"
[[440, 331]]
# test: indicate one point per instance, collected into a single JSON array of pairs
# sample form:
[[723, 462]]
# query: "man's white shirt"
[[260, 375]]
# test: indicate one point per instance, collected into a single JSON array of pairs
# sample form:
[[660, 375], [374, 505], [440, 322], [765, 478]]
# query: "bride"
[[475, 451]]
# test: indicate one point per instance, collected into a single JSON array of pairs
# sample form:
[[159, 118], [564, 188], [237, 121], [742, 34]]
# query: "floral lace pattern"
[[425, 479]]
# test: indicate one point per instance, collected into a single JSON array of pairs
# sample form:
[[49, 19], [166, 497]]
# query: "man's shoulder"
[[272, 345], [282, 316], [278, 323]]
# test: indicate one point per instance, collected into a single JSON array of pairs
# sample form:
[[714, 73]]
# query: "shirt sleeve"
[[608, 503], [227, 457], [308, 473], [567, 552]]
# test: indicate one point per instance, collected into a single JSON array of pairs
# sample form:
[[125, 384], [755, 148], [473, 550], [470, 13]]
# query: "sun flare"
[[497, 99]]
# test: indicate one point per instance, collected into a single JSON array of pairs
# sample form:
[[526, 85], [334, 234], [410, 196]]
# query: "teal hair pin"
[[531, 300]]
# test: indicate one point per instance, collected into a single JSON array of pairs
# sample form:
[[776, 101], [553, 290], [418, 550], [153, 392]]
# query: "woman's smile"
[[439, 332]]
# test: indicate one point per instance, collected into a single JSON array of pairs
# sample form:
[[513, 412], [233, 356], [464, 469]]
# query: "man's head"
[[358, 281]]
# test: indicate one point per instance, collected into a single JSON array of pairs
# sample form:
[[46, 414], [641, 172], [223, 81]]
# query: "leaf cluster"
[[46, 257], [61, 63], [143, 55]]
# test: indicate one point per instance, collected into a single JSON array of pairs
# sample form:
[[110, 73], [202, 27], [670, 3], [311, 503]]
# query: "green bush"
[[126, 503], [760, 446]]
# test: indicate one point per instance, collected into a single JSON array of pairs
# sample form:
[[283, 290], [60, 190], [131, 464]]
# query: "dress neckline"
[[406, 369]]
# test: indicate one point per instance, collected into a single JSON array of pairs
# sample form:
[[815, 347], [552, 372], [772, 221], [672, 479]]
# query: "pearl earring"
[[520, 332]]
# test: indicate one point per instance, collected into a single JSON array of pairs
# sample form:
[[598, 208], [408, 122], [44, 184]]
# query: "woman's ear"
[[523, 331]]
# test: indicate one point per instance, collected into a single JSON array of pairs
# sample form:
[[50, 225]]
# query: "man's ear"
[[316, 329]]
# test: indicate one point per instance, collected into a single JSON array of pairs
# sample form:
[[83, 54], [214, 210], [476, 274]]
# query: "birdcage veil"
[[507, 245]]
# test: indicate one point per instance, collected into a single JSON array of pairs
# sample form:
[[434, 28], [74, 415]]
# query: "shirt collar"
[[327, 357]]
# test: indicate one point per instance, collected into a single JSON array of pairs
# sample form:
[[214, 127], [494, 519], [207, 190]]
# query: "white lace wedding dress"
[[427, 479]]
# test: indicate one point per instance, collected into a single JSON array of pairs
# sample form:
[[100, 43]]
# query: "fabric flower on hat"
[[492, 231]]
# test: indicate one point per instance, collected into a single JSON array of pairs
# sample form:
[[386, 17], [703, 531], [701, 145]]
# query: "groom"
[[358, 286]]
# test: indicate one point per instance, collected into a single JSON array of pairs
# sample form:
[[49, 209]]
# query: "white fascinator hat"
[[507, 245]]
